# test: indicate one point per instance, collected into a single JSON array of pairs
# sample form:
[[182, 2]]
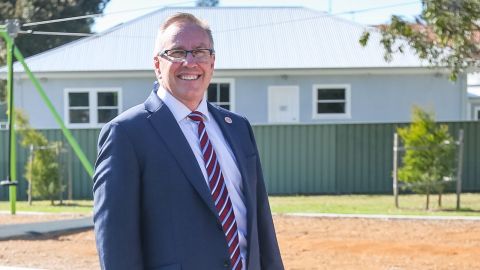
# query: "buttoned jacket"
[[152, 206]]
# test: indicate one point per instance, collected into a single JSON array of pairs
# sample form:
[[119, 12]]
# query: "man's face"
[[188, 80]]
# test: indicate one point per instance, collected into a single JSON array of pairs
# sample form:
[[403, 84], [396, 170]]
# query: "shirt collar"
[[178, 109]]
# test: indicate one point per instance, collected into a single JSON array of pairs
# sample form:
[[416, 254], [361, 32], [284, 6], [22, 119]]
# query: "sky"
[[367, 12]]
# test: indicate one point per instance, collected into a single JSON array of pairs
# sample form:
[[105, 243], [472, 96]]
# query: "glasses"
[[181, 55]]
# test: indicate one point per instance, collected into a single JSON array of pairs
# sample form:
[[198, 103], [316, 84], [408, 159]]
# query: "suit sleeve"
[[270, 258], [116, 190]]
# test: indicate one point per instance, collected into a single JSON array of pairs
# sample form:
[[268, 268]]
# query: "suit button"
[[226, 263]]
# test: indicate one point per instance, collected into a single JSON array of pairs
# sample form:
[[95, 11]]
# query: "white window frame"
[[231, 82], [93, 105], [348, 102], [4, 125], [476, 111]]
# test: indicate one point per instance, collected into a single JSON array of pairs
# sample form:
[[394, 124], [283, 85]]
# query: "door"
[[283, 104]]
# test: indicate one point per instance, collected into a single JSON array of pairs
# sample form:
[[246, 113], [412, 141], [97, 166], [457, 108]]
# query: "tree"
[[430, 155], [446, 34], [43, 171], [207, 3], [41, 10]]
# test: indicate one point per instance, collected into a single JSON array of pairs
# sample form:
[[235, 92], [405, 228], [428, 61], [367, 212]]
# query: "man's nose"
[[190, 60]]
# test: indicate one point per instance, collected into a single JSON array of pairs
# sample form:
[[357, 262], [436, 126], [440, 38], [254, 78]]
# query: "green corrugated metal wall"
[[296, 159], [346, 158], [81, 183]]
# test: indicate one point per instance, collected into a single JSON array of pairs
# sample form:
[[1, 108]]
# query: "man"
[[178, 182]]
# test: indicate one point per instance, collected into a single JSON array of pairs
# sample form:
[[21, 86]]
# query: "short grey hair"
[[180, 17]]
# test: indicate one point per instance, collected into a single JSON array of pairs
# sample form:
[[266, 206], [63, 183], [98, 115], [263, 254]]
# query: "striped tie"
[[219, 192]]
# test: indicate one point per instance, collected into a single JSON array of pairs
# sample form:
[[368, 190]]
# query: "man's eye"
[[200, 53], [176, 54]]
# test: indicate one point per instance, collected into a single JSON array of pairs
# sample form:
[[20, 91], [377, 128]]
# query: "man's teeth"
[[189, 77]]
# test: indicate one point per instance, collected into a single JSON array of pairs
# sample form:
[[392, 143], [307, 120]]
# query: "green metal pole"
[[66, 132], [12, 175]]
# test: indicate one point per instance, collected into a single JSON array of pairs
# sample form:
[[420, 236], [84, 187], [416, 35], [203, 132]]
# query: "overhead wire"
[[82, 17], [320, 16], [186, 2], [102, 14], [55, 33], [62, 20]]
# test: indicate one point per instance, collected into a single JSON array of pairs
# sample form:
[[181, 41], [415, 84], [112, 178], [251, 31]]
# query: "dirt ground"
[[306, 243]]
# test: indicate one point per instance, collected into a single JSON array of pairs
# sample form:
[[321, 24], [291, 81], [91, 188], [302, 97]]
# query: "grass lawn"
[[84, 207], [377, 204], [340, 204]]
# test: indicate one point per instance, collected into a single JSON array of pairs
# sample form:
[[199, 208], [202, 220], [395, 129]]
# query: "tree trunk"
[[439, 200], [428, 199]]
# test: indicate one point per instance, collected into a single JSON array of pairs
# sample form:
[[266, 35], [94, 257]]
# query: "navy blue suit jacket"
[[152, 206]]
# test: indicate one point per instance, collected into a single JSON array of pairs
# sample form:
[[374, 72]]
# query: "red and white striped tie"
[[219, 192]]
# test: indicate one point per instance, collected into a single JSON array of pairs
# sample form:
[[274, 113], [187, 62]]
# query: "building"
[[274, 65]]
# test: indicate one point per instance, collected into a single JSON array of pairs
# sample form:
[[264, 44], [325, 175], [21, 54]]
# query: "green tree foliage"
[[207, 3], [429, 157], [446, 33], [42, 10], [43, 172]]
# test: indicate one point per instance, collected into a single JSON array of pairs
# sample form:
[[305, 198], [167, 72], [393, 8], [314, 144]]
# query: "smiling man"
[[178, 182]]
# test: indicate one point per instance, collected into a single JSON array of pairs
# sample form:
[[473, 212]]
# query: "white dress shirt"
[[231, 174]]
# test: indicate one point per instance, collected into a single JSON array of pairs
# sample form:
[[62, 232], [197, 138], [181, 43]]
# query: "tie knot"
[[196, 116]]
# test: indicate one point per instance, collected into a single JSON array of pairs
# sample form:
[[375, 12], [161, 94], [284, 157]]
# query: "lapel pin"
[[228, 119]]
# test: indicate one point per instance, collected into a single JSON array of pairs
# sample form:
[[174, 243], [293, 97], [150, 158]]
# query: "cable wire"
[[55, 33], [63, 20], [323, 15], [376, 8], [100, 14]]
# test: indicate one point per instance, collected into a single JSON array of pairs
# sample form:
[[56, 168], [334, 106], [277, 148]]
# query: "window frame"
[[229, 81], [4, 125], [348, 101], [476, 113], [92, 106]]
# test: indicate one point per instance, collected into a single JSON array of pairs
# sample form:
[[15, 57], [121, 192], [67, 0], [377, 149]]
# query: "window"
[[477, 113], [220, 92], [79, 108], [91, 107], [107, 106], [3, 115], [331, 101]]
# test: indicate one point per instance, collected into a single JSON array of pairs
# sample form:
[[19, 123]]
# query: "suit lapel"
[[234, 136], [167, 128]]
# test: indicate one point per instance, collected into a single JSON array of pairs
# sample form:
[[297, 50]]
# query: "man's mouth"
[[189, 77]]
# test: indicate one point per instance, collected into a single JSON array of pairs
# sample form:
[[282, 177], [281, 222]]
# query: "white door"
[[283, 104]]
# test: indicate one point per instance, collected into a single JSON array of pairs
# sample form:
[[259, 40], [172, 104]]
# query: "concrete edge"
[[18, 268], [385, 217], [14, 231]]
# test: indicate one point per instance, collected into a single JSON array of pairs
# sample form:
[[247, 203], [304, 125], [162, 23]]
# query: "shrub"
[[43, 169], [430, 155]]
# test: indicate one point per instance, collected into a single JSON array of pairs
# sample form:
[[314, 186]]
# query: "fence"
[[296, 159]]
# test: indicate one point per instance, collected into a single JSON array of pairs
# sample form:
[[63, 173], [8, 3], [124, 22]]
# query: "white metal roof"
[[245, 38]]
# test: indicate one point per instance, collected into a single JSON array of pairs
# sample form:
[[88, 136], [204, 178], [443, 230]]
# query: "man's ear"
[[213, 62], [156, 64]]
